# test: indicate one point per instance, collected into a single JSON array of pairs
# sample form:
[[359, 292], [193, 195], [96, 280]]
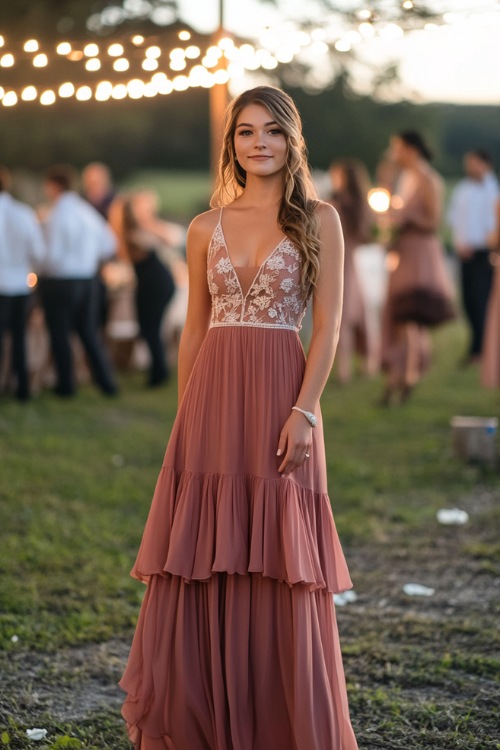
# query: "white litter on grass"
[[117, 460], [36, 734], [452, 516], [346, 597], [416, 589], [14, 638]]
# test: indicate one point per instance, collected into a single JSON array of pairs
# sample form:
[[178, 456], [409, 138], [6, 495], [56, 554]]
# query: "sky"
[[457, 62]]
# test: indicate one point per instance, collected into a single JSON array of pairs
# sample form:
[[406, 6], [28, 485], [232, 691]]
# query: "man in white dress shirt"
[[22, 250], [472, 218], [78, 241]]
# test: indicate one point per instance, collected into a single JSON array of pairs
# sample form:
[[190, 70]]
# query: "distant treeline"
[[172, 132]]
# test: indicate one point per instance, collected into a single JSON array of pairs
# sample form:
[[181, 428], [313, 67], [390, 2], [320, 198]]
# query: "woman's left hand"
[[294, 443]]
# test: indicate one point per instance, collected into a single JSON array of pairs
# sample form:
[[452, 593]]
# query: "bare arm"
[[198, 312], [296, 435]]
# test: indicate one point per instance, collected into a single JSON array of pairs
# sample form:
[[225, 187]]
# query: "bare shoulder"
[[431, 180], [328, 216], [202, 227]]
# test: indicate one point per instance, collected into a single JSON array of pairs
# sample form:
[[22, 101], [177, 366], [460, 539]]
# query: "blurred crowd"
[[96, 281], [88, 283]]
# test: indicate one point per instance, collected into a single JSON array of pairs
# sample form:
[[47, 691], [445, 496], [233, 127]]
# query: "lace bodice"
[[274, 298]]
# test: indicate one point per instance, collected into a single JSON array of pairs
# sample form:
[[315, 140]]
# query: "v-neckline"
[[259, 268]]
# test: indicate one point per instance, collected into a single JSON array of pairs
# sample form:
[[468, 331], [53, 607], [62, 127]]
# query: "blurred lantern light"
[[366, 30], [184, 35], [177, 64], [225, 43], [84, 93], [40, 61], [93, 64], [285, 54], [408, 4], [91, 50], [209, 62], [66, 89], [177, 52], [135, 88], [149, 64], [153, 52], [342, 45], [7, 61], [180, 83], [121, 65], [48, 97], [31, 280], [379, 200], [137, 40], [364, 14], [29, 94], [119, 91], [31, 45], [75, 55], [150, 90], [103, 91], [9, 99], [115, 50], [268, 63], [64, 48], [221, 76], [197, 75], [192, 52]]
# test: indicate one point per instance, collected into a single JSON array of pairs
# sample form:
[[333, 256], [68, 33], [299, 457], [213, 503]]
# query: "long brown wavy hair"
[[296, 216]]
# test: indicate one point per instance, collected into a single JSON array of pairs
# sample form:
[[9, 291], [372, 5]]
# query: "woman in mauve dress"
[[419, 290], [490, 358], [236, 647], [350, 186]]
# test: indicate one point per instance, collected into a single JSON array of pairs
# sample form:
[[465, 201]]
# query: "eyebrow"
[[249, 125]]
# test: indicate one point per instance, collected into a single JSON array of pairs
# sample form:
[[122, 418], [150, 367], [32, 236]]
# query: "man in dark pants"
[[78, 241], [472, 218], [22, 250]]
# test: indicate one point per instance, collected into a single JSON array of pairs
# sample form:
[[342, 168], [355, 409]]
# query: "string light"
[[63, 48], [149, 64], [121, 65], [119, 91], [66, 90], [138, 40], [184, 35], [115, 50], [29, 94], [192, 52], [41, 60], [31, 45], [84, 93], [91, 50], [9, 99], [153, 52], [7, 60], [47, 98], [93, 64]]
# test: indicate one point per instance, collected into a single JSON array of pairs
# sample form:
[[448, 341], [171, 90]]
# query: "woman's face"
[[145, 206], [399, 151], [338, 178], [260, 144]]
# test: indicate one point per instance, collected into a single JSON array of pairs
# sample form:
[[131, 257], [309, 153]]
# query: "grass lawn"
[[76, 483]]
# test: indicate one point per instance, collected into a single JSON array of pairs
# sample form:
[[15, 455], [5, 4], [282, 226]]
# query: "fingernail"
[[279, 452]]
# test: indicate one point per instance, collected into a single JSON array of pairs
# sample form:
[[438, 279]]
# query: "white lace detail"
[[273, 300]]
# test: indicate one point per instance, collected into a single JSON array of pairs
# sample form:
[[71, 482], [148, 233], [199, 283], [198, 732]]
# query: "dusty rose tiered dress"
[[236, 647], [490, 365]]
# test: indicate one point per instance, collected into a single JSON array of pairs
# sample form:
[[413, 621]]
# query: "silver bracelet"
[[311, 418]]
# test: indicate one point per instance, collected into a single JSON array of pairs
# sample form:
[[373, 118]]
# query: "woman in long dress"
[[236, 647], [419, 292], [490, 359], [350, 186]]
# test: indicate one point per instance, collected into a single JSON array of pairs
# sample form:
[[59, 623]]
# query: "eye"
[[276, 131], [245, 132]]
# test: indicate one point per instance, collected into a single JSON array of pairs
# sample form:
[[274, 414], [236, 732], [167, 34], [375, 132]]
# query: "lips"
[[260, 157]]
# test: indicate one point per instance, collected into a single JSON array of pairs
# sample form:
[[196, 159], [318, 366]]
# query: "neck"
[[263, 192]]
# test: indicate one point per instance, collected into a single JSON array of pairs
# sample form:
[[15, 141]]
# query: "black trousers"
[[14, 312], [477, 278], [155, 289], [73, 305]]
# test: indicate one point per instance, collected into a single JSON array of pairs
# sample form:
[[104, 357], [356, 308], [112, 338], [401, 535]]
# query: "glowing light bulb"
[[184, 35], [342, 45], [137, 40], [408, 4], [225, 43], [379, 200], [221, 76], [149, 64], [75, 55], [91, 50], [7, 61], [115, 50], [40, 61], [103, 91], [66, 89], [64, 48], [153, 52], [121, 65], [192, 52], [2, 41], [135, 88], [119, 91], [29, 94], [9, 99], [177, 64], [180, 83], [2, 92], [31, 45], [84, 93], [93, 64], [31, 280], [48, 97]]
